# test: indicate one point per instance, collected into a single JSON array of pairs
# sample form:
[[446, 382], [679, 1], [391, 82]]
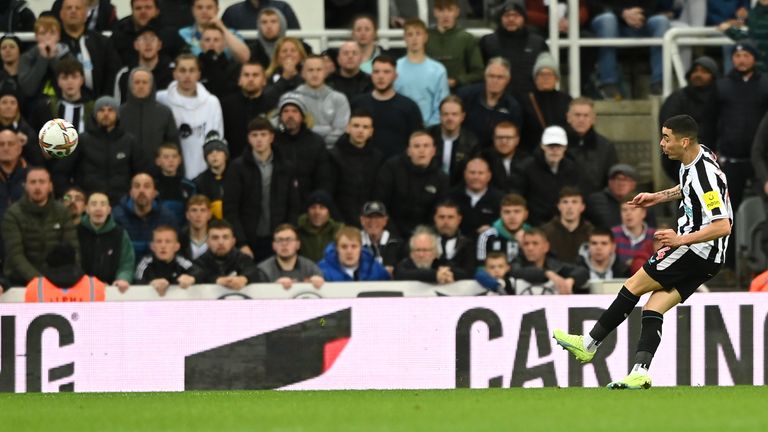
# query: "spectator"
[[453, 46], [173, 190], [567, 231], [329, 109], [222, 264], [355, 164], [74, 201], [13, 170], [593, 153], [545, 105], [302, 148], [419, 77], [494, 275], [410, 185], [139, 213], [628, 19], [210, 182], [63, 280], [729, 12], [72, 103], [634, 238], [349, 79], [286, 266], [10, 119], [699, 100], [101, 15], [284, 69], [147, 48], [365, 33], [148, 120], [506, 161], [538, 16], [752, 27], [455, 143], [251, 101], [194, 237], [245, 14], [478, 199], [218, 73], [598, 256], [206, 13], [260, 192], [32, 226], [164, 266], [16, 17], [10, 53], [345, 259], [514, 42], [423, 263], [271, 25], [95, 52], [105, 249], [506, 233], [540, 271], [37, 66], [384, 244], [604, 206], [195, 110], [316, 227], [488, 104], [395, 117], [458, 251], [144, 15], [547, 174]]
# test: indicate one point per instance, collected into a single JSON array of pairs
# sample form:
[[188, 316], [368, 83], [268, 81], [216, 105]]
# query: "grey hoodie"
[[329, 109], [269, 45]]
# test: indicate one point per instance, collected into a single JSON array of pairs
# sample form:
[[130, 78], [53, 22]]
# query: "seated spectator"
[[494, 275], [478, 199], [146, 47], [489, 103], [206, 13], [101, 15], [32, 226], [453, 46], [105, 249], [329, 109], [410, 185], [345, 260], [348, 78], [419, 77], [634, 238], [164, 266], [458, 251], [593, 153], [63, 280], [245, 14], [506, 233], [604, 207], [13, 170], [10, 53], [506, 159], [194, 238], [74, 201], [139, 213], [354, 164], [211, 181], [144, 14], [11, 120], [385, 245], [222, 264], [365, 33], [72, 103], [37, 66], [544, 105], [173, 190], [395, 117], [148, 120], [284, 70], [217, 72], [547, 174], [455, 144], [316, 227], [568, 231], [544, 274], [423, 263], [286, 266], [599, 257]]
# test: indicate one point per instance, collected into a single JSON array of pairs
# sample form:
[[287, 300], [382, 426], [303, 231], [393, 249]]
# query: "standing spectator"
[[95, 52], [593, 153], [365, 33], [542, 271], [478, 199], [10, 119], [598, 256], [206, 13], [419, 77], [32, 227], [395, 117], [105, 249], [37, 66], [345, 259], [16, 17], [194, 238], [453, 46], [74, 201], [754, 26], [731, 13], [13, 172], [506, 233], [348, 78], [164, 266], [458, 251], [173, 190], [488, 104], [100, 14], [72, 103], [454, 143], [196, 111], [218, 73], [148, 120], [545, 105], [634, 238], [287, 266], [506, 160], [144, 14], [210, 182], [547, 174], [604, 206], [384, 244], [147, 46], [245, 14], [316, 227], [423, 263], [568, 231], [271, 25], [260, 192], [139, 213], [10, 53], [284, 71], [410, 185], [513, 41]]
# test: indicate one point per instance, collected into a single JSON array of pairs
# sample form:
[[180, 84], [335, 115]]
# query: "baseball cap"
[[554, 135], [374, 208], [623, 168]]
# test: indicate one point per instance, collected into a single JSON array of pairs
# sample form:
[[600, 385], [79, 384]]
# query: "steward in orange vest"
[[64, 281]]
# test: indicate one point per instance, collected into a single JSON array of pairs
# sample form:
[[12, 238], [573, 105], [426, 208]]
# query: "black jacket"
[[152, 124], [485, 211], [553, 106], [594, 155], [604, 210], [162, 76], [525, 270], [104, 58], [218, 73], [742, 105], [521, 48], [151, 268], [464, 261], [124, 32], [512, 181], [209, 267], [238, 110], [406, 270], [482, 119], [350, 87], [354, 177], [543, 186], [308, 156], [464, 147], [16, 16]]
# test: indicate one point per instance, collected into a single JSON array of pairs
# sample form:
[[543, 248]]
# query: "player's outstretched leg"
[[636, 380]]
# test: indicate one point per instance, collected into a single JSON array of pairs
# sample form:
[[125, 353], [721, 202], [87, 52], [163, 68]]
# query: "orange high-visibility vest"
[[41, 290]]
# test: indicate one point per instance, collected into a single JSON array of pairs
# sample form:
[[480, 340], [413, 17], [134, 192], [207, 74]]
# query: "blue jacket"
[[368, 270], [140, 229]]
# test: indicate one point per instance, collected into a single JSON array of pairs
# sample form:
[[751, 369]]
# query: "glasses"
[[283, 240], [72, 197]]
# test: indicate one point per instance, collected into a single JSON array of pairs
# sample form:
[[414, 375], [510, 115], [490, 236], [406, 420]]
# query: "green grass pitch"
[[552, 409]]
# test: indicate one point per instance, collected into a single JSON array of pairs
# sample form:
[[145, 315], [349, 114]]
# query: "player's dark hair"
[[683, 126]]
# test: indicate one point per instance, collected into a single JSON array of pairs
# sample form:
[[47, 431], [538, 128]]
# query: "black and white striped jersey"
[[705, 199]]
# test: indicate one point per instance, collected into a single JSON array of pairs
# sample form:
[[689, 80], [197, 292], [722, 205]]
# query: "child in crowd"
[[211, 181], [173, 190]]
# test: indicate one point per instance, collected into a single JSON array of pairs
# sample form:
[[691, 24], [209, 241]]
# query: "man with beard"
[[593, 153], [506, 159], [287, 266], [458, 250], [454, 143], [423, 263]]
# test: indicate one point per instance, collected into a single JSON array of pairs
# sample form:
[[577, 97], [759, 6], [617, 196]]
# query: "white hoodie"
[[195, 117]]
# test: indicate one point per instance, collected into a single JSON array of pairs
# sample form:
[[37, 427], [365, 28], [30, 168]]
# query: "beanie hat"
[[320, 197], [545, 61], [513, 5], [213, 141], [295, 99], [106, 101], [707, 63], [748, 46]]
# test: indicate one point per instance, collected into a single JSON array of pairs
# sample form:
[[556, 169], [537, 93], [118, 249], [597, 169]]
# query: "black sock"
[[650, 338], [616, 313]]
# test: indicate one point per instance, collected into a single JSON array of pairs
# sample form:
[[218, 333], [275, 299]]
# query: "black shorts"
[[680, 268]]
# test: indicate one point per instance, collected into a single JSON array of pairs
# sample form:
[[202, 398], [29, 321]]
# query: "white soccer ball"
[[58, 138]]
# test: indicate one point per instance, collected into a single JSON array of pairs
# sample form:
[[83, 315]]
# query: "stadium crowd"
[[206, 158]]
